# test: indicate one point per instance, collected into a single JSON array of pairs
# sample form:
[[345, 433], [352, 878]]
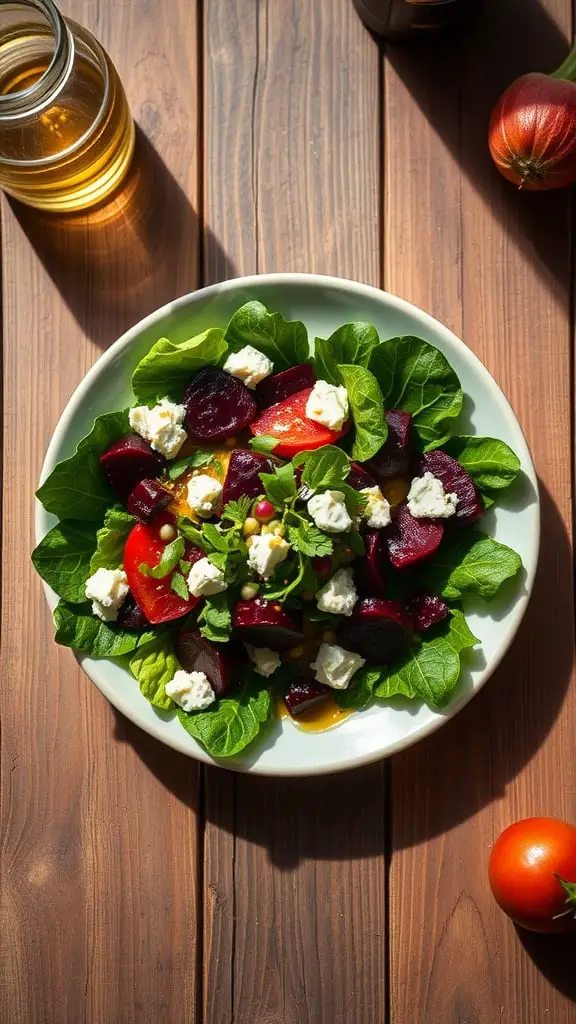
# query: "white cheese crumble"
[[203, 494], [339, 595], [205, 578], [249, 365], [107, 589], [377, 511], [329, 512], [160, 426], [427, 499], [264, 660], [191, 690], [335, 666], [266, 552], [328, 405]]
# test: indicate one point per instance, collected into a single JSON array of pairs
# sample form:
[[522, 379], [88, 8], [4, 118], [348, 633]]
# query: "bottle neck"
[[50, 33]]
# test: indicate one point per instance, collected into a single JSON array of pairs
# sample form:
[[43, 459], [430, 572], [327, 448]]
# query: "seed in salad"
[[264, 511], [167, 532], [274, 527], [249, 591], [251, 526]]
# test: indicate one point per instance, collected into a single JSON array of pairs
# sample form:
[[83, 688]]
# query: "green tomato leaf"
[[352, 344], [169, 366], [470, 562], [77, 628], [169, 559], [154, 664], [491, 463], [62, 558], [228, 727], [367, 410], [285, 342], [325, 467], [111, 538], [77, 487]]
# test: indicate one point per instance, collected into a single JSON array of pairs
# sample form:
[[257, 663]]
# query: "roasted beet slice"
[[217, 405], [455, 480], [393, 459], [128, 462], [409, 539], [359, 478], [264, 623], [242, 477], [282, 385], [221, 663], [370, 568], [131, 615], [303, 694], [427, 610], [148, 498], [377, 630]]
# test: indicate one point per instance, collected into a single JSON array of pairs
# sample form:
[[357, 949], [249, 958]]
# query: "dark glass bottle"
[[396, 19]]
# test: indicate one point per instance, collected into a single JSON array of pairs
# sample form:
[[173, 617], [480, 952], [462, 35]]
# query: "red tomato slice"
[[158, 602], [288, 422]]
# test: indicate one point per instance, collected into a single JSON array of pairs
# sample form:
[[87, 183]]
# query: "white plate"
[[323, 303]]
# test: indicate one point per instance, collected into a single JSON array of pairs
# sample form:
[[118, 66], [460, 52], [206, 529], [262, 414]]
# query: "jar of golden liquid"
[[66, 133]]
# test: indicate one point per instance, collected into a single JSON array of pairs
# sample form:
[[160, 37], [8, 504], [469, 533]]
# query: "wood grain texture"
[[294, 872], [495, 266], [99, 848]]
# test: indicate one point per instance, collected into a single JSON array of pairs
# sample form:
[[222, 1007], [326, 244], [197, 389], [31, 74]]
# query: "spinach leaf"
[[179, 585], [111, 538], [470, 562], [62, 558], [351, 343], [279, 486], [325, 467], [201, 457], [459, 634], [215, 619], [154, 664], [167, 368], [233, 723], [77, 487], [359, 695], [431, 673], [169, 559], [491, 463], [416, 377], [367, 408], [77, 628], [285, 342]]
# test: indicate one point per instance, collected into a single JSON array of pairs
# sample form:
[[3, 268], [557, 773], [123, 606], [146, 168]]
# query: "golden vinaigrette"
[[66, 133]]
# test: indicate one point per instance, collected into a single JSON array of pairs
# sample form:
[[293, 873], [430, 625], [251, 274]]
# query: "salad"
[[273, 521]]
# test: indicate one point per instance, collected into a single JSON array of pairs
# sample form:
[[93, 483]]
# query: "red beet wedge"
[[370, 569], [359, 478], [217, 405], [304, 694], [455, 480], [221, 663], [264, 623], [242, 477], [393, 459], [282, 385], [128, 462], [131, 615], [377, 630], [410, 540], [148, 498], [427, 610]]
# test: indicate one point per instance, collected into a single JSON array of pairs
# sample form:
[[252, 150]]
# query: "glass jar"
[[66, 132], [396, 19]]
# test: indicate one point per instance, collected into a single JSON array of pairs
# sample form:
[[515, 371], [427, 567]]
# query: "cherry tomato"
[[528, 864], [156, 598], [288, 422]]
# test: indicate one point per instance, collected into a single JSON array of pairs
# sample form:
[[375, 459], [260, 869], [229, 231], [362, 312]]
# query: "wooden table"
[[136, 886]]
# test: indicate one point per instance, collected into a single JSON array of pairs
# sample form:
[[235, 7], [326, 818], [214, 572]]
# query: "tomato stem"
[[570, 890], [567, 70]]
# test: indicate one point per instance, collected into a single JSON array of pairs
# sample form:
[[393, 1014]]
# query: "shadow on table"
[[555, 957], [456, 83], [138, 250]]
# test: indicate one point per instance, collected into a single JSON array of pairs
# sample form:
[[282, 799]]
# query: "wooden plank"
[[495, 266], [295, 873], [99, 856]]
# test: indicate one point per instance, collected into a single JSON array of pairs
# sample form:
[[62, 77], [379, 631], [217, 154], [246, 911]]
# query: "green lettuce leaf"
[[111, 538], [154, 664], [233, 723], [351, 344], [491, 463], [285, 342], [470, 562], [77, 628], [62, 558], [367, 408], [168, 367], [416, 377], [77, 487]]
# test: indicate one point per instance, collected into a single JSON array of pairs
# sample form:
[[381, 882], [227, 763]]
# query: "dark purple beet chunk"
[[427, 610], [242, 477], [304, 694], [455, 480], [217, 405], [148, 498], [377, 630], [131, 616], [221, 663], [370, 568], [264, 623], [393, 459], [410, 540], [128, 462], [193, 554], [281, 385], [359, 478]]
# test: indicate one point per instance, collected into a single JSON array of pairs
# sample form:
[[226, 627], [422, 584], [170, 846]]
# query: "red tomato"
[[158, 602], [527, 866], [288, 422]]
